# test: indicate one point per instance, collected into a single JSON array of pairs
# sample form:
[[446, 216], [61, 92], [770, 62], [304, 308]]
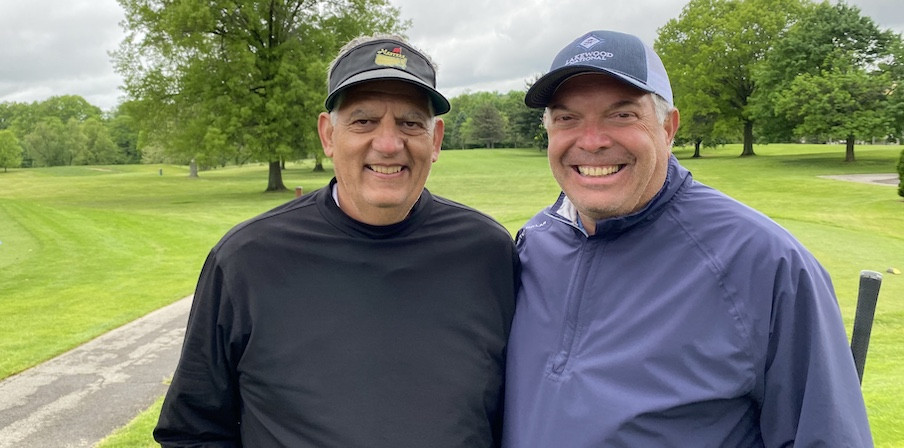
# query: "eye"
[[564, 120], [412, 127], [624, 116]]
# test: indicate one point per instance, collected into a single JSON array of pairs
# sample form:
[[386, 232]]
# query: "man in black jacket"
[[369, 313]]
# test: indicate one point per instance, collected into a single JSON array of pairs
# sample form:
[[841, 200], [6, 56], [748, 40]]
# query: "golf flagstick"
[[863, 319]]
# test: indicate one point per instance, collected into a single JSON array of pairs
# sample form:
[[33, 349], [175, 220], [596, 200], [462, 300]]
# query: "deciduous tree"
[[487, 126], [10, 150], [237, 79], [98, 147], [833, 76], [712, 51], [48, 143]]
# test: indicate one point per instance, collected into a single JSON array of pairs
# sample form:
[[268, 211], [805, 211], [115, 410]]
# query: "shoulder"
[[466, 218], [272, 223], [713, 215], [739, 242]]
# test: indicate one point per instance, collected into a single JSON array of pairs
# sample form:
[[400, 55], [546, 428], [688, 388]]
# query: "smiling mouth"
[[598, 171], [382, 169]]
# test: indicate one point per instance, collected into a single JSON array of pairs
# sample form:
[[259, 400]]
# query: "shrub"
[[901, 174]]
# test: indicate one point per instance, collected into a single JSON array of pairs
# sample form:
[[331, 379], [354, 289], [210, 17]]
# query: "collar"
[[328, 204], [564, 210]]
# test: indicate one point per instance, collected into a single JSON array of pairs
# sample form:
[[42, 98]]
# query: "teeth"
[[597, 171], [386, 169]]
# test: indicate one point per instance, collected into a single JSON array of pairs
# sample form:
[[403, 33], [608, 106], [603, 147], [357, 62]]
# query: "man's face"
[[382, 145], [607, 149]]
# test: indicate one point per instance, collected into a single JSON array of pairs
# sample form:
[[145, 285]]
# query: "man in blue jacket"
[[654, 310]]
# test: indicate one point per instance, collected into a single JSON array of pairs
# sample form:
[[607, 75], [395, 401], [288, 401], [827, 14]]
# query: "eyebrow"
[[625, 103], [412, 115], [359, 113], [616, 105]]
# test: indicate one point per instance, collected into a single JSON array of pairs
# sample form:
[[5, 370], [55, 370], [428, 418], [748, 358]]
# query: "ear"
[[325, 130], [439, 129], [671, 124]]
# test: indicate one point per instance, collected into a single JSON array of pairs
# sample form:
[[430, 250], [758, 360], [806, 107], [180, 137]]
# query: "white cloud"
[[499, 45], [56, 47]]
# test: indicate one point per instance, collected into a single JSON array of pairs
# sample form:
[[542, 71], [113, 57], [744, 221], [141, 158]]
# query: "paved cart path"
[[82, 396], [890, 179]]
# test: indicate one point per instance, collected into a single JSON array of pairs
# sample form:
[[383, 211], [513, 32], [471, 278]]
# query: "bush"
[[901, 174]]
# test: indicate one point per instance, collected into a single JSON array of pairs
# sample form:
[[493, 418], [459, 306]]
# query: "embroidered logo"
[[589, 42], [589, 56], [534, 226], [393, 58]]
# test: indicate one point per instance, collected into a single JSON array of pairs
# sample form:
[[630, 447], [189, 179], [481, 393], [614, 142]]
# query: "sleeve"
[[812, 394], [201, 407]]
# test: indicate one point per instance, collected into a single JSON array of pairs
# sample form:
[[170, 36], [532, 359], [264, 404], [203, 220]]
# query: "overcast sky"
[[61, 47]]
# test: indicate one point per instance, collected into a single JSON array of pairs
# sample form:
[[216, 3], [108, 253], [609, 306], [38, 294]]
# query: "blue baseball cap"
[[622, 56]]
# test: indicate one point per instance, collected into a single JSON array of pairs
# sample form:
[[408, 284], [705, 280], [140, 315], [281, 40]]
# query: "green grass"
[[137, 434], [86, 249]]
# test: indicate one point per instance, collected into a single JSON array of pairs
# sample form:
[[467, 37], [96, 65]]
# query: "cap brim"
[[539, 94], [440, 103]]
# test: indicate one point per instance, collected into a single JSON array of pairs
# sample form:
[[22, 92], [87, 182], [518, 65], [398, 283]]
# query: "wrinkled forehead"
[[394, 92]]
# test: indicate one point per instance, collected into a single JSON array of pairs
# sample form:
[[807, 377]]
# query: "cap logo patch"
[[394, 58], [589, 42]]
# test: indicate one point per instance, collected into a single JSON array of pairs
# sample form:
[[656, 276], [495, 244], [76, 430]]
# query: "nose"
[[594, 137], [388, 139]]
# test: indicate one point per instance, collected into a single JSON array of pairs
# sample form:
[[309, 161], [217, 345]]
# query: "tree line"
[[230, 82], [65, 130]]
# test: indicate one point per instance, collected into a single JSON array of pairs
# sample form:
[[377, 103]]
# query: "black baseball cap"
[[622, 56], [381, 59]]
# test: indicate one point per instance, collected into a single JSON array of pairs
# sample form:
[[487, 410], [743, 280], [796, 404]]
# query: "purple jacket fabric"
[[696, 322]]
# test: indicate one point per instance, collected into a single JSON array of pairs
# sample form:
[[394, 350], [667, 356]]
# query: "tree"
[[98, 147], [462, 107], [46, 145], [10, 151], [487, 125], [896, 98], [847, 103], [454, 121], [74, 141], [23, 118], [901, 174], [7, 114], [713, 49], [847, 66], [237, 79], [68, 107], [123, 130], [524, 123]]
